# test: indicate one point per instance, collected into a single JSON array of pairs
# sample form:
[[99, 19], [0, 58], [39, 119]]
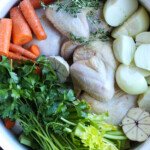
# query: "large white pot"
[[7, 141]]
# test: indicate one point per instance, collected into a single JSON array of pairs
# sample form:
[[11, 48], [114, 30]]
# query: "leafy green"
[[44, 107], [96, 134]]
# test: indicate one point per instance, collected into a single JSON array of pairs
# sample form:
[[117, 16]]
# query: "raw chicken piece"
[[117, 107], [102, 50], [66, 23], [94, 70], [96, 19], [67, 49], [50, 46], [84, 53]]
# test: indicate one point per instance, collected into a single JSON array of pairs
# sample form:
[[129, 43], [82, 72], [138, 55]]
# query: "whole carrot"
[[35, 50], [37, 3], [15, 56], [5, 35], [18, 49], [32, 19], [21, 33]]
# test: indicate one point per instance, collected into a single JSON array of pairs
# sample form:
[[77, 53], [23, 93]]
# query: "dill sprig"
[[100, 34], [74, 7], [79, 40]]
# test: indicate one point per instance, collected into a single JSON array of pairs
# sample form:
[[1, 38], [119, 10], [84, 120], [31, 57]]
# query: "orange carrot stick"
[[15, 56], [8, 123], [5, 35], [18, 49], [37, 3], [35, 50], [32, 19], [21, 33]]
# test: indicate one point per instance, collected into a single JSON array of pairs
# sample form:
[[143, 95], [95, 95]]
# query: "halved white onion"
[[130, 80], [142, 56], [137, 23], [124, 48], [116, 12], [143, 38]]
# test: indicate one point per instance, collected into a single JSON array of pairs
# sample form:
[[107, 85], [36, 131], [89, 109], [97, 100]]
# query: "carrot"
[[37, 3], [18, 49], [5, 35], [32, 19], [35, 50], [21, 33], [38, 70], [8, 123], [15, 56]]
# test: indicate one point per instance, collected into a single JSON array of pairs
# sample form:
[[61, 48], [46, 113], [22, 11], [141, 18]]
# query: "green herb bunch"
[[48, 111], [44, 107]]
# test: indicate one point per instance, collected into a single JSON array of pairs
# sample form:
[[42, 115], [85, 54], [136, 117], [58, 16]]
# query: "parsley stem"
[[69, 122], [11, 64], [57, 142], [47, 139]]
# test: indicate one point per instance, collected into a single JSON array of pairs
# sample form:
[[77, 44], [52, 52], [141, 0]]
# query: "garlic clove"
[[128, 120], [128, 127]]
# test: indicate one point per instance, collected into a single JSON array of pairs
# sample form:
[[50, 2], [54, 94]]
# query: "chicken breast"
[[102, 50], [117, 107], [50, 46], [67, 24], [94, 70]]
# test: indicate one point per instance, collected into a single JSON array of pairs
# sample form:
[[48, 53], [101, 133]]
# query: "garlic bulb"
[[136, 124], [60, 66]]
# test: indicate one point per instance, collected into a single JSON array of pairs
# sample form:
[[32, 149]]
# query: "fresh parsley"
[[46, 108]]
